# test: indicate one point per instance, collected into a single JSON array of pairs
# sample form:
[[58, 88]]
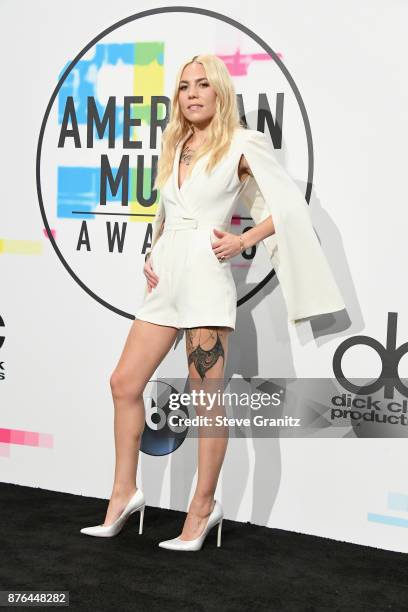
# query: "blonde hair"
[[221, 128]]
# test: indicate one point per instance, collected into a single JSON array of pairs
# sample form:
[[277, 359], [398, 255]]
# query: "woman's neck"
[[198, 136]]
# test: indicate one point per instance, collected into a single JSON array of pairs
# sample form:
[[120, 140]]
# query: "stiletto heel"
[[135, 504], [215, 518], [141, 520], [219, 533]]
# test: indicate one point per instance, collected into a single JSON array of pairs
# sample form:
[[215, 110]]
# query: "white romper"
[[194, 287]]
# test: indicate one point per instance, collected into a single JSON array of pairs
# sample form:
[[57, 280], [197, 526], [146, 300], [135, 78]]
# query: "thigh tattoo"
[[203, 359]]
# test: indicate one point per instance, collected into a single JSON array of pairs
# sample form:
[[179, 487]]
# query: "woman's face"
[[196, 96]]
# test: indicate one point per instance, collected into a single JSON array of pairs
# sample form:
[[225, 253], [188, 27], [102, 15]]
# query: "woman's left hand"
[[227, 245]]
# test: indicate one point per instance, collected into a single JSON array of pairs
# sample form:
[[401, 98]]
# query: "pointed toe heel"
[[215, 518], [136, 503]]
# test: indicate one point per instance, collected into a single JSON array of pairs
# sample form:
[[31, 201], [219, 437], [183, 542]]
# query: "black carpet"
[[255, 569]]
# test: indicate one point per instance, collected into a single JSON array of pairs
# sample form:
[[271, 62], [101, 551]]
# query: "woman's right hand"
[[151, 276]]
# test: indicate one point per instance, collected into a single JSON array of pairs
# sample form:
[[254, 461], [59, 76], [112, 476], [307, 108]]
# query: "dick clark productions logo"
[[389, 355]]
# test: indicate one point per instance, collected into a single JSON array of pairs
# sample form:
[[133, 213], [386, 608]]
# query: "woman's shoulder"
[[243, 134]]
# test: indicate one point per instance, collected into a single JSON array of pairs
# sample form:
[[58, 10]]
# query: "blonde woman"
[[208, 161]]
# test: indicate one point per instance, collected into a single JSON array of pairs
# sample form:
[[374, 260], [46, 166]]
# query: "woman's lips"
[[194, 107]]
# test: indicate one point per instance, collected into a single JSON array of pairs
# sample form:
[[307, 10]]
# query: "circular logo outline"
[[118, 24]]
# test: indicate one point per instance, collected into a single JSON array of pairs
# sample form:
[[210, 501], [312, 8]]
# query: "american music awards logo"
[[99, 142]]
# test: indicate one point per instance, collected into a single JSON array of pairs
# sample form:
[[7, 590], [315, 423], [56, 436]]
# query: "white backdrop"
[[61, 345]]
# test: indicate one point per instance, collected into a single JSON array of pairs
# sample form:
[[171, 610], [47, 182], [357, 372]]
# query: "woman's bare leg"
[[146, 346], [207, 353]]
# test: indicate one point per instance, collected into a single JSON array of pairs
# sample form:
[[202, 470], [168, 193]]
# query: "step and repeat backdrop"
[[86, 94]]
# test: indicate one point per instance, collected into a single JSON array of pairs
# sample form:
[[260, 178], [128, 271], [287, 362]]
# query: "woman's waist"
[[190, 222]]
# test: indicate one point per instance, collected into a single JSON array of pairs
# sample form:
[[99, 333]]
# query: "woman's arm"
[[261, 230], [257, 233]]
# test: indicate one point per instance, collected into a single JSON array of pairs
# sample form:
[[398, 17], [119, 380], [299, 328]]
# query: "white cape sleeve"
[[306, 280]]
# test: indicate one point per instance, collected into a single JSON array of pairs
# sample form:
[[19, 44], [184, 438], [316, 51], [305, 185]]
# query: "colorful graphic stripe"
[[397, 502], [26, 438], [20, 247]]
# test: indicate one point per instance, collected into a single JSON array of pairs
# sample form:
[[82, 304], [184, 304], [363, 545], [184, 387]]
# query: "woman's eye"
[[182, 87]]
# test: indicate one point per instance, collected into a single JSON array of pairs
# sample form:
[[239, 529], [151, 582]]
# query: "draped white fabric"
[[307, 282]]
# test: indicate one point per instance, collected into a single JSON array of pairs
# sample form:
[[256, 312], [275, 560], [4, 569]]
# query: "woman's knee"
[[124, 386]]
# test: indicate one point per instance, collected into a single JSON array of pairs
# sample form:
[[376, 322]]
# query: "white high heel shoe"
[[136, 503], [215, 518]]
